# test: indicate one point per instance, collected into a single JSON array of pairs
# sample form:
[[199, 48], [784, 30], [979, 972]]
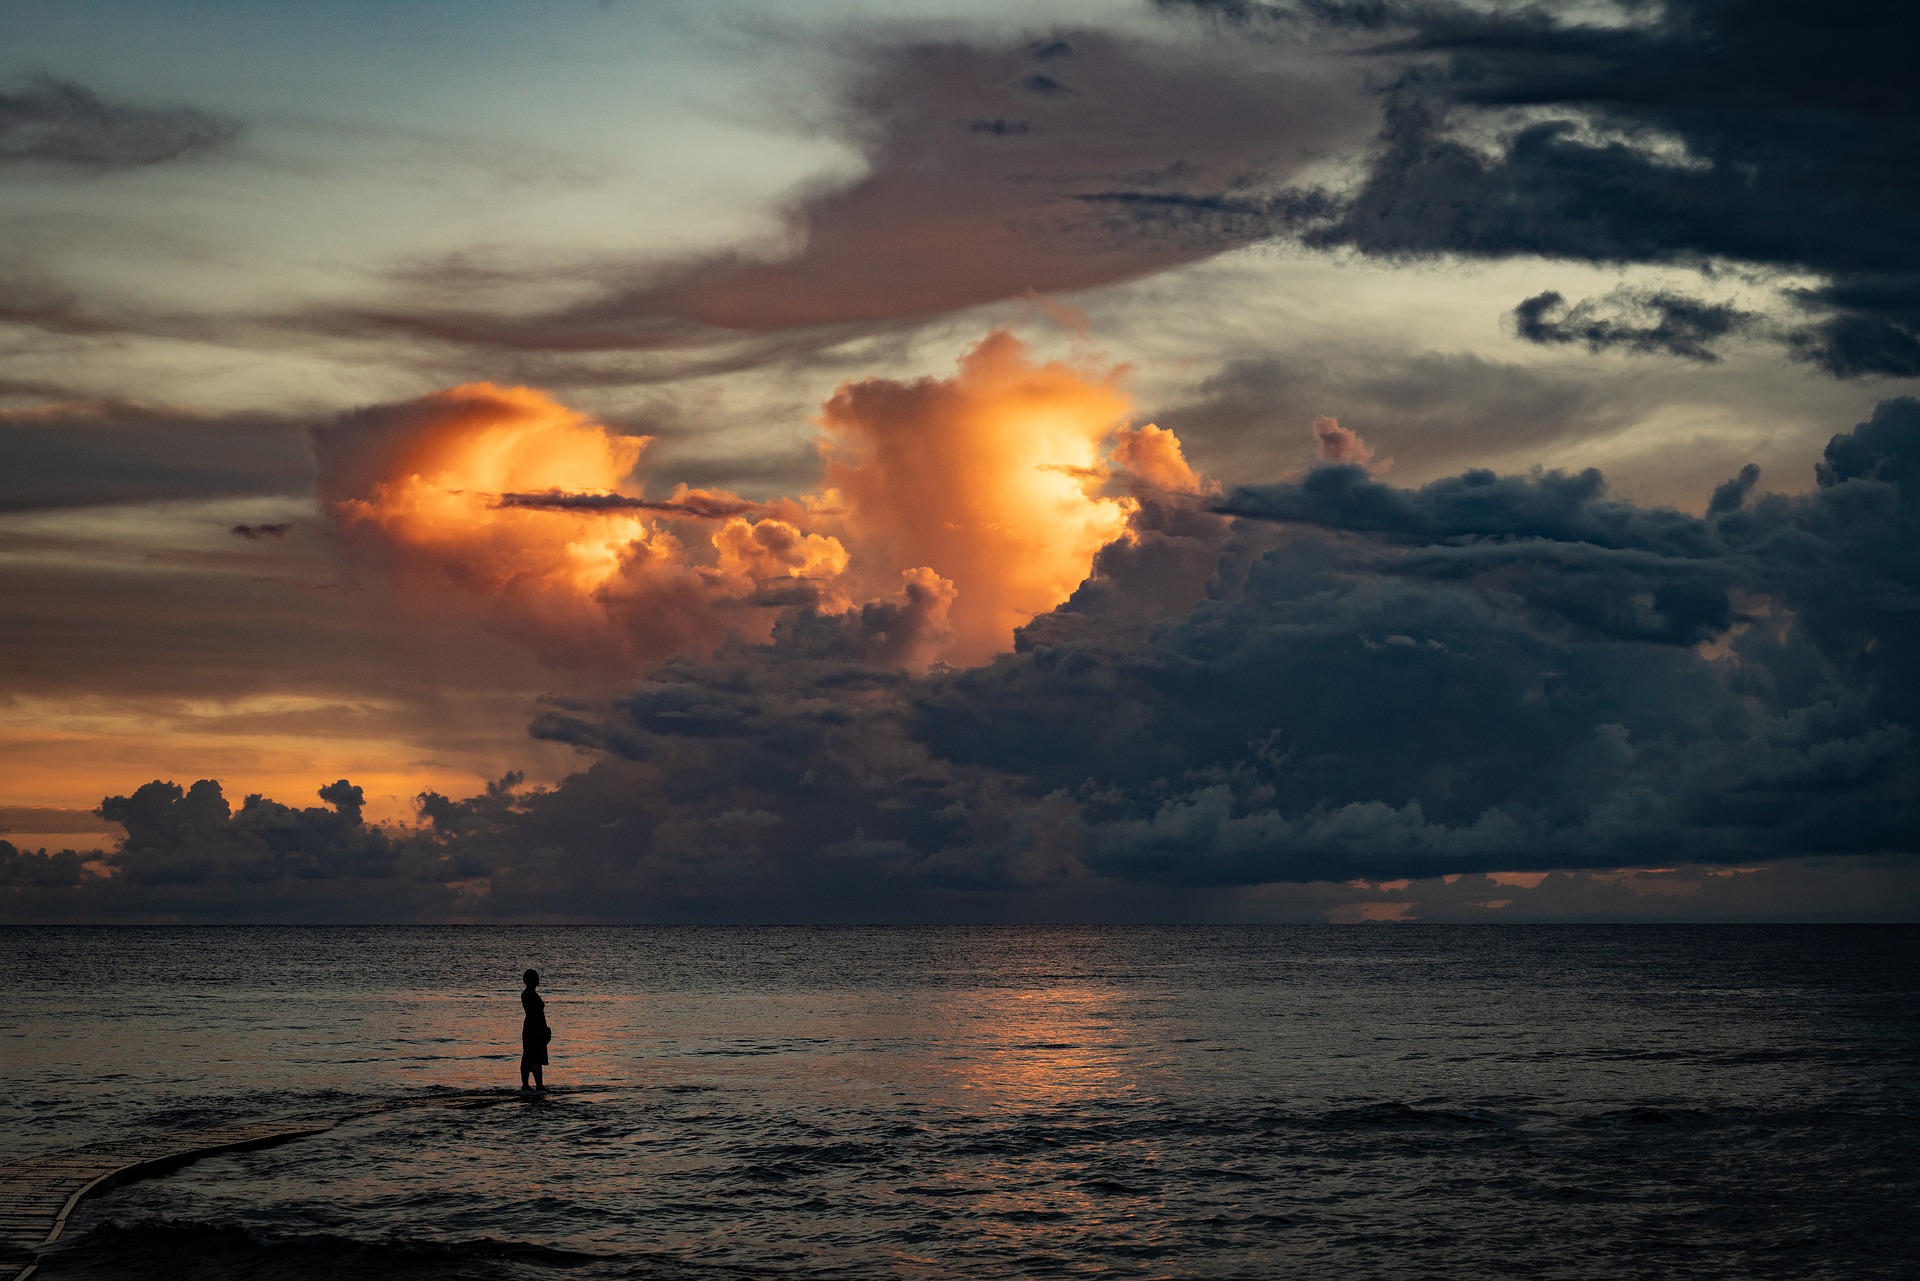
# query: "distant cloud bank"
[[1326, 680]]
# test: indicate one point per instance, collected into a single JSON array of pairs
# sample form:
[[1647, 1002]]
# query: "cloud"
[[992, 479], [1493, 673], [1430, 410], [910, 631], [189, 835], [188, 851], [1646, 323], [421, 487], [978, 159], [695, 503], [92, 454], [1336, 444], [986, 492], [37, 868], [1561, 507], [1693, 132], [1152, 456], [1489, 670], [64, 124], [1311, 682], [1874, 327], [1731, 495]]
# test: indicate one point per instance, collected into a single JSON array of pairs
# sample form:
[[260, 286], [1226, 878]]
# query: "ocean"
[[1397, 1101]]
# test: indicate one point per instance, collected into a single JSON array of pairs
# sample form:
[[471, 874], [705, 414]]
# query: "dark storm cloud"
[[188, 854], [1556, 506], [1876, 328], [254, 533], [61, 123], [1732, 494], [179, 835], [91, 454], [1492, 671], [1482, 673], [979, 158], [38, 868], [1694, 131], [1651, 323]]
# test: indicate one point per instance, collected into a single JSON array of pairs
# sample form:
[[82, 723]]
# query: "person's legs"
[[539, 1077]]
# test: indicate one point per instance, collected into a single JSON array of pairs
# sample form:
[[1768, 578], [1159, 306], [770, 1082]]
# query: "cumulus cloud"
[[1485, 674], [187, 835], [65, 124], [1152, 456], [1324, 680], [984, 497], [992, 479], [426, 487], [39, 869], [1317, 681], [1337, 444], [188, 854]]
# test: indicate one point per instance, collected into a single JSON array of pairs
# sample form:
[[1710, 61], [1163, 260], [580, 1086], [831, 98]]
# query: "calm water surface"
[[983, 1103]]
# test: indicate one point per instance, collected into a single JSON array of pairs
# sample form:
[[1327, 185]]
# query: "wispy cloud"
[[65, 125]]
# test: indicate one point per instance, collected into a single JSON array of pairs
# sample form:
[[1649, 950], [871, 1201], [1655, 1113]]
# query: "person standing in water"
[[534, 1032]]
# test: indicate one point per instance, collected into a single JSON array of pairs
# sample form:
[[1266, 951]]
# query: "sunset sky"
[[1198, 460]]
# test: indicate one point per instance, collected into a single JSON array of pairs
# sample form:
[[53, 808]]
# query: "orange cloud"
[[957, 509], [589, 574], [992, 479], [429, 474], [1153, 454], [768, 550], [1337, 444]]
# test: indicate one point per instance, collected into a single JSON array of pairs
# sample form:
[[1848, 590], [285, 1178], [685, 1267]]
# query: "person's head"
[[531, 978]]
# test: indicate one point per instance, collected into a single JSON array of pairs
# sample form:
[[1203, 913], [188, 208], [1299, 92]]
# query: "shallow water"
[[982, 1103]]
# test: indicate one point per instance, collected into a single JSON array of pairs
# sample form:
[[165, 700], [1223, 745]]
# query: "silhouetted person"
[[534, 1032]]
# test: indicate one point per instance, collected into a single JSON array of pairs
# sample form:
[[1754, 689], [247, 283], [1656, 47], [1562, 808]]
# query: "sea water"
[[1394, 1101]]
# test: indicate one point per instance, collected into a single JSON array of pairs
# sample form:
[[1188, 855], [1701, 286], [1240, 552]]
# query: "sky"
[[1195, 460]]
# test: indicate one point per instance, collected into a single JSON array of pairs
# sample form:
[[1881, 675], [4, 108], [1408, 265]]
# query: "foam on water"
[[1258, 1102]]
